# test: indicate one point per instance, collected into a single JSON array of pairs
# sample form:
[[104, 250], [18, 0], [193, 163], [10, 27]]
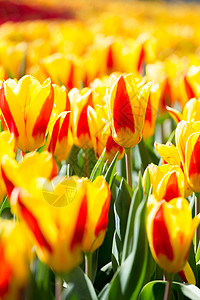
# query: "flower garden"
[[99, 150]]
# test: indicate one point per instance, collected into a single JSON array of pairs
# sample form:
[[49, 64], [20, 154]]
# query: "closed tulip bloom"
[[16, 254], [169, 154], [98, 200], [60, 138], [24, 173], [26, 106], [188, 142], [101, 134], [80, 100], [151, 111], [170, 229], [168, 181], [54, 215], [61, 98], [126, 108]]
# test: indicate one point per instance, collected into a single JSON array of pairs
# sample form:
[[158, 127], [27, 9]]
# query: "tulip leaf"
[[5, 204], [121, 210], [103, 295], [69, 293], [144, 155], [128, 280], [129, 235], [104, 276], [82, 284], [111, 170], [97, 170], [154, 290]]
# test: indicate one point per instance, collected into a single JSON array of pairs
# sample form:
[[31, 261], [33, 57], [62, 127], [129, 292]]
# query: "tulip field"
[[99, 150]]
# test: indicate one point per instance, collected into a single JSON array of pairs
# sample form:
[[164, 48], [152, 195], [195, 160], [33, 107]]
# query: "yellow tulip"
[[126, 108], [170, 229], [26, 106]]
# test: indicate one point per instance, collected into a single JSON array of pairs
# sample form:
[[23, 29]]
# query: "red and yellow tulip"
[[170, 229], [126, 108], [26, 106]]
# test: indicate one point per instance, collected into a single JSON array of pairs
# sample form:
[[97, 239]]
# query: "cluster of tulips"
[[86, 106]]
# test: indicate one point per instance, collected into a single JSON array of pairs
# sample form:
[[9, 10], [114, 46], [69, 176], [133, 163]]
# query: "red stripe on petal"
[[172, 188], [42, 121], [7, 113], [148, 115], [103, 219], [111, 145], [68, 106], [141, 60], [122, 110], [83, 127], [80, 224], [110, 61], [70, 81], [64, 128], [161, 239], [182, 275], [9, 185], [194, 167], [5, 273], [32, 223], [189, 91], [166, 98], [54, 136]]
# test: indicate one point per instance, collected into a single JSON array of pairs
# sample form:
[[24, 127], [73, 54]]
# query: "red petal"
[[110, 58], [148, 115], [9, 185], [161, 239], [111, 145], [70, 81], [42, 121], [141, 60], [80, 224], [7, 113], [103, 219], [122, 111]]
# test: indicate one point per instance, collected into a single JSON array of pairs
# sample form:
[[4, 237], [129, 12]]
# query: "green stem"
[[58, 288], [168, 287], [88, 265], [129, 167], [197, 211]]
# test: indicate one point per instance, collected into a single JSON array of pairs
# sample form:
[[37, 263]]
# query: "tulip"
[[26, 107], [14, 273], [101, 134], [168, 181], [169, 154], [24, 173], [61, 98], [7, 147], [61, 139], [126, 108], [54, 215], [188, 141], [80, 100], [98, 200], [170, 229], [63, 69], [190, 112], [151, 111]]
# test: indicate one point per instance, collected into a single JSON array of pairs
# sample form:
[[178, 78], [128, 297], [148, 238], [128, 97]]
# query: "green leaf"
[[128, 280], [4, 204], [154, 290], [129, 236], [97, 170], [69, 293], [111, 170], [103, 295], [192, 262], [121, 210], [104, 276], [82, 284], [144, 155]]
